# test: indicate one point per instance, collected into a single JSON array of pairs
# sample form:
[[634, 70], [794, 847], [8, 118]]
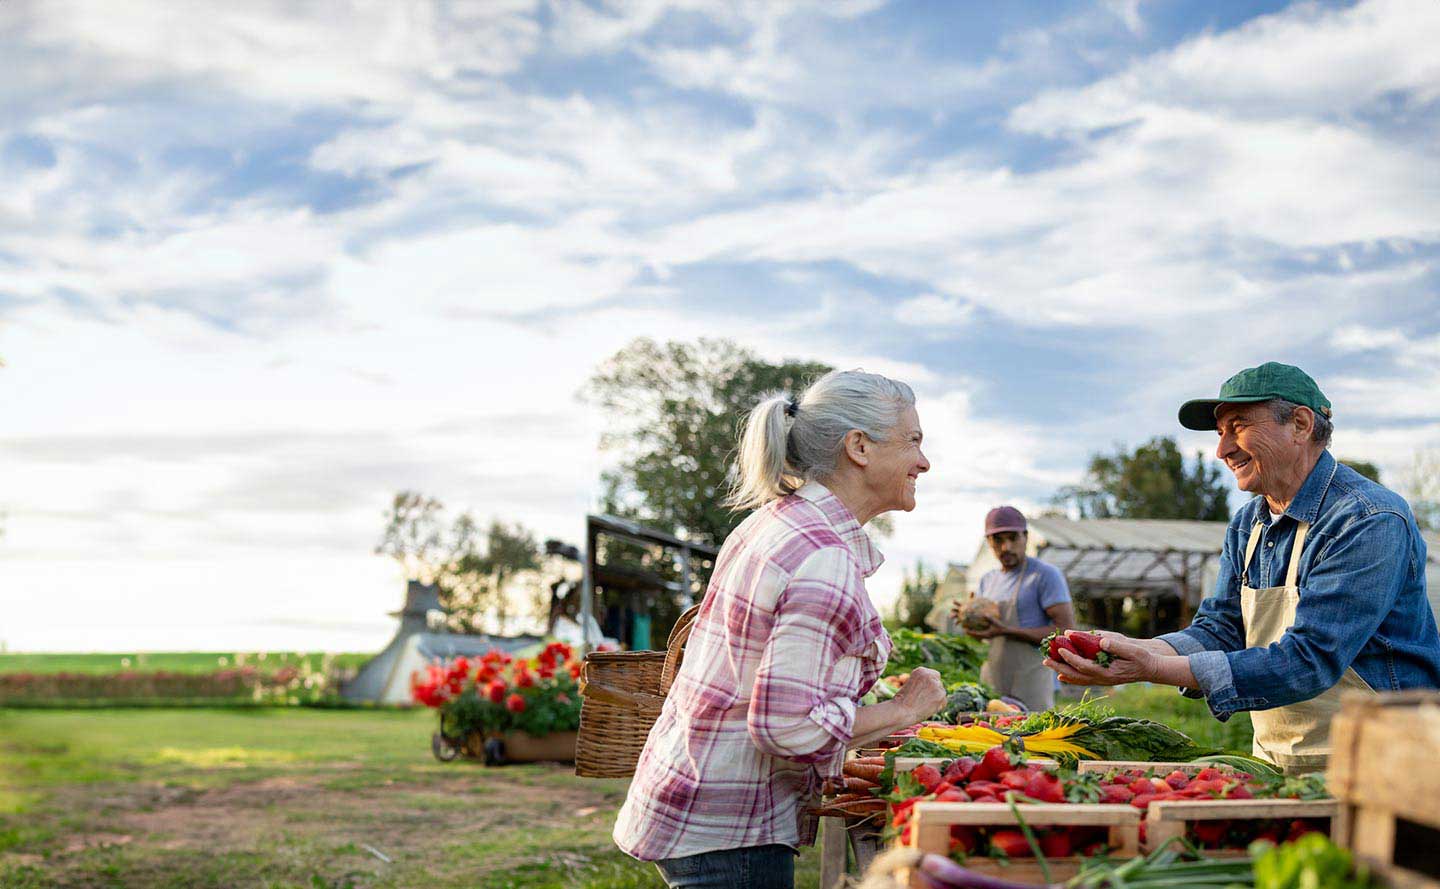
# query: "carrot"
[[868, 772], [868, 761], [859, 785]]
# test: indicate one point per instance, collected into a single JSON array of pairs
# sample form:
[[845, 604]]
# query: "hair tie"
[[791, 407]]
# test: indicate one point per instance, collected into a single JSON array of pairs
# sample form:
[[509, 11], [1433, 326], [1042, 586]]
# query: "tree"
[[1153, 482], [1422, 488], [476, 585], [1365, 468], [917, 596], [677, 410]]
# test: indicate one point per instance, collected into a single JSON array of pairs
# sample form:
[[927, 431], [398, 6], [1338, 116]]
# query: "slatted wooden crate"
[[1163, 768], [1385, 770], [930, 824], [1167, 819], [910, 763]]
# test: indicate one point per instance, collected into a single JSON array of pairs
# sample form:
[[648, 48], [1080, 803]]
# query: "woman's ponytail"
[[762, 472]]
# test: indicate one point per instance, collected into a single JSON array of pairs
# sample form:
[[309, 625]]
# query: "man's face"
[[1009, 547], [1258, 449]]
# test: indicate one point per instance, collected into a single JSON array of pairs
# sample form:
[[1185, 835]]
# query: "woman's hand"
[[1133, 661], [923, 694]]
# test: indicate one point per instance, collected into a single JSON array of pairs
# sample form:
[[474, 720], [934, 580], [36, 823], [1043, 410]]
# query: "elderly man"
[[1321, 587], [1033, 600]]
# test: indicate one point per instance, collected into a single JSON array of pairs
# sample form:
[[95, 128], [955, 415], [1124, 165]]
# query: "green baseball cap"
[[1268, 381]]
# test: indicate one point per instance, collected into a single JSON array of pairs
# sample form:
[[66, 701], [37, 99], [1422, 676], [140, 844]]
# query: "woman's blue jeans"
[[753, 867]]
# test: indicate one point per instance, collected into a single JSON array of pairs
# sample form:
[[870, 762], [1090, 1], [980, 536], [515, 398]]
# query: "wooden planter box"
[[1167, 819], [1384, 771], [523, 747], [931, 822]]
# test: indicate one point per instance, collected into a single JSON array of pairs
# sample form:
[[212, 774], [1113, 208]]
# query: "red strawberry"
[[953, 796], [983, 796], [1087, 645], [1115, 795], [1239, 791], [1209, 773], [992, 764], [1015, 780], [1046, 788], [1056, 844], [1210, 833], [1010, 843], [959, 771], [942, 787], [963, 837], [1059, 644], [1141, 785], [1177, 779], [1142, 800], [928, 776]]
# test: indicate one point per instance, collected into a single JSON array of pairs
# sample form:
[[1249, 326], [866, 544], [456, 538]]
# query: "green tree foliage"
[[476, 571], [1152, 482], [1365, 468], [917, 596], [676, 410], [1423, 488]]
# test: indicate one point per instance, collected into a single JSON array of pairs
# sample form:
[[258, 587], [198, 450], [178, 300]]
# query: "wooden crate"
[[1166, 819], [930, 824], [1385, 770], [1163, 768]]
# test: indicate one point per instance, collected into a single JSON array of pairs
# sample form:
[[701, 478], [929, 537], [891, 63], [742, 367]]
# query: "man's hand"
[[994, 629], [923, 694], [1132, 662]]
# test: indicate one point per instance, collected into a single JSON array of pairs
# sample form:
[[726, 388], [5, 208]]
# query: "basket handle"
[[598, 691], [675, 647]]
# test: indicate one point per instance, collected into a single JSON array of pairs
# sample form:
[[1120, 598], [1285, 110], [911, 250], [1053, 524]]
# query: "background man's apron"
[[1015, 667], [1295, 737]]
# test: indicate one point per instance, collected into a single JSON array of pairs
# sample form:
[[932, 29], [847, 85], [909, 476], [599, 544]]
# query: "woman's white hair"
[[788, 441]]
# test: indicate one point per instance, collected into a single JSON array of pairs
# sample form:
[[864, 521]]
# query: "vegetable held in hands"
[[1087, 645]]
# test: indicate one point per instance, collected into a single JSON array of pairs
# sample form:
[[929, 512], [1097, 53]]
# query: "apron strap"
[[1292, 574], [1250, 551]]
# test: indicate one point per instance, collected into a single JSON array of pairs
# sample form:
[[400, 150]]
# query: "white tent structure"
[[385, 678], [1119, 559]]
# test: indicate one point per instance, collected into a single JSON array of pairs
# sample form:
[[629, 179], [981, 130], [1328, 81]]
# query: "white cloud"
[[933, 310]]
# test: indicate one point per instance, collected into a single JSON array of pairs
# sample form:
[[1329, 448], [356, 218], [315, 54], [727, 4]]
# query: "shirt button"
[[1271, 543]]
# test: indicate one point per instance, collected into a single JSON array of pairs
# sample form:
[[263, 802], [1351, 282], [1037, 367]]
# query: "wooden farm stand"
[[1385, 769]]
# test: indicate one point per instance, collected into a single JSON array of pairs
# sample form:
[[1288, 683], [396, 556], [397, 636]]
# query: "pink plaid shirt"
[[785, 643]]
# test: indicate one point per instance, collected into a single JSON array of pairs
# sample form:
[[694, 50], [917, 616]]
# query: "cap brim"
[[1003, 529], [1200, 413]]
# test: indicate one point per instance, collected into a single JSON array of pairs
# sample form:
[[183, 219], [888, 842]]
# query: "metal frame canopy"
[[632, 532], [1116, 558]]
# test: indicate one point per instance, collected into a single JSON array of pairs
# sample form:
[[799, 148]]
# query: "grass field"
[[290, 798], [305, 798], [168, 661]]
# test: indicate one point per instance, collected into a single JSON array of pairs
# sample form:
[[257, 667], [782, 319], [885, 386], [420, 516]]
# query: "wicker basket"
[[623, 692]]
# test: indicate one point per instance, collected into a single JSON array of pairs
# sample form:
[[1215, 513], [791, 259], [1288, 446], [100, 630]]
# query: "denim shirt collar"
[[1306, 505], [867, 557]]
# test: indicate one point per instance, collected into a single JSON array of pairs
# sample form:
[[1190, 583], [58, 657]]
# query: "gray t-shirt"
[[1043, 586]]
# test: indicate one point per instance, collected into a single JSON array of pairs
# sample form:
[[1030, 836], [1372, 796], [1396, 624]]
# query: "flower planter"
[[499, 749]]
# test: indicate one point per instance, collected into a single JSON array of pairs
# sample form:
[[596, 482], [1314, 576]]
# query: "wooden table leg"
[[833, 841]]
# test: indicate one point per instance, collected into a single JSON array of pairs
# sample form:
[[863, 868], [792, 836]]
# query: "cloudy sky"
[[264, 263]]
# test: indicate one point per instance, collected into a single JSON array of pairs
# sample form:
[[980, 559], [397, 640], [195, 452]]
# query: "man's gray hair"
[[1283, 411]]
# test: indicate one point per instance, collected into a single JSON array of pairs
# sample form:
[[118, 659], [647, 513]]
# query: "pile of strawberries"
[[998, 773]]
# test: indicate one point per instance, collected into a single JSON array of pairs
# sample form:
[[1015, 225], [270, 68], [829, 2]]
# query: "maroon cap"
[[1003, 518]]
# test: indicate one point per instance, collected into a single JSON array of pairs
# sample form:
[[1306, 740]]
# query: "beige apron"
[[1295, 737], [1015, 667]]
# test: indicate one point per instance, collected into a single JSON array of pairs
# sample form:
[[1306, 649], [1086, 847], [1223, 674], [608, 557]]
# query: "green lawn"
[[169, 661], [291, 798], [1164, 704]]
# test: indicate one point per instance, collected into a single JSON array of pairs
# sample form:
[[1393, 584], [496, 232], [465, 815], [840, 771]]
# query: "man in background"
[[1033, 600]]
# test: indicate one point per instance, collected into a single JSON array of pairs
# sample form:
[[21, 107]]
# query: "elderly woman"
[[785, 643]]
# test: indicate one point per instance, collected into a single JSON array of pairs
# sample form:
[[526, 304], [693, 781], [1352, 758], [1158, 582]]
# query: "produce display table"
[[838, 841]]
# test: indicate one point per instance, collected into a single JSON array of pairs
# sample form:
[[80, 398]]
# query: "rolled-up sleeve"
[[1343, 599], [797, 711]]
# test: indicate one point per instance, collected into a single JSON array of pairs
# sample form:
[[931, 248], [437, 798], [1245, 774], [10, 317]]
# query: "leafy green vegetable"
[[957, 658], [967, 697], [1310, 862], [1299, 787], [1122, 738], [917, 747]]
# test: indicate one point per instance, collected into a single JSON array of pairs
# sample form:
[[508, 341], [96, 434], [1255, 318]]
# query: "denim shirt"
[[1362, 599]]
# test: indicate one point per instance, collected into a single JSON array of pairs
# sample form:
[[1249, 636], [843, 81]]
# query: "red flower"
[[485, 674], [547, 672], [575, 671], [491, 657], [515, 704], [461, 666], [495, 691], [524, 679]]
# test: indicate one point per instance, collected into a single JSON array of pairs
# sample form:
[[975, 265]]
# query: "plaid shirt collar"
[[867, 558]]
